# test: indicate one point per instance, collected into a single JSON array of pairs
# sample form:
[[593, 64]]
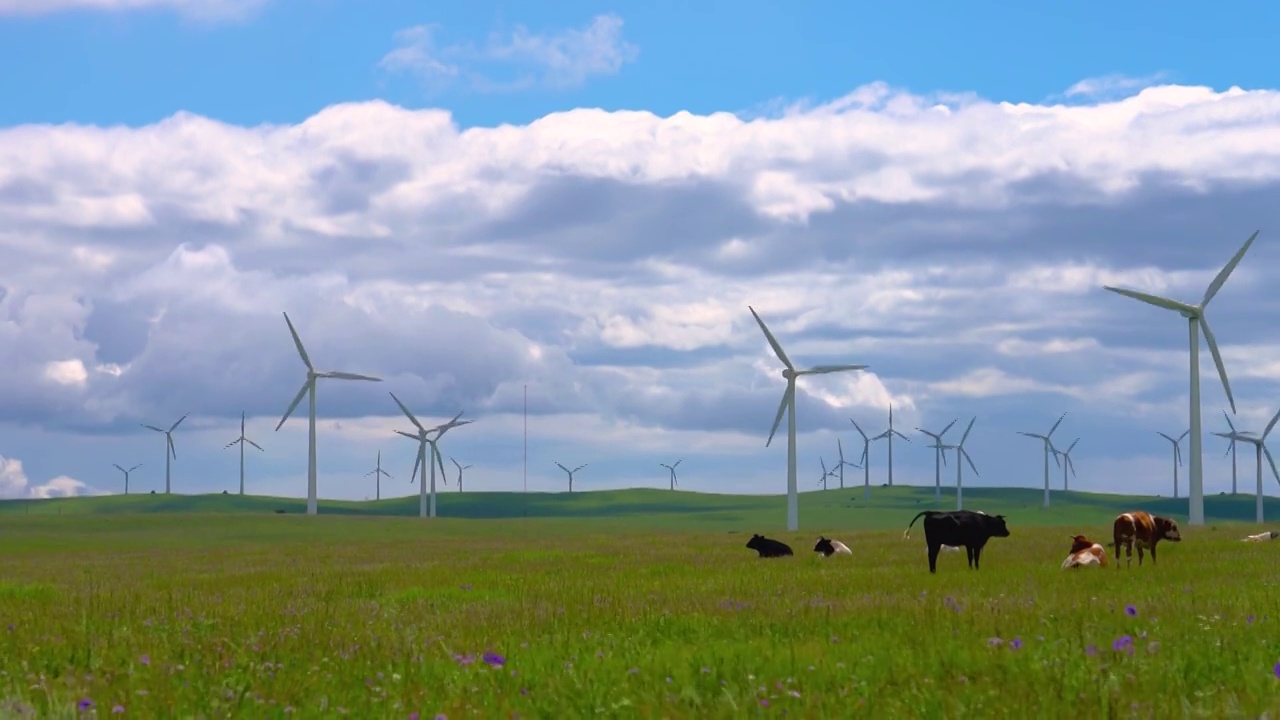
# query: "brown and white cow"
[[1261, 537], [1144, 530], [1085, 553]]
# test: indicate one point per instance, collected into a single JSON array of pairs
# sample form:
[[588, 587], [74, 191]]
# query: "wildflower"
[[1277, 669], [465, 659], [117, 709], [994, 642], [1091, 650], [1249, 620], [494, 659], [764, 702], [1124, 643], [145, 659], [1015, 644], [441, 716]]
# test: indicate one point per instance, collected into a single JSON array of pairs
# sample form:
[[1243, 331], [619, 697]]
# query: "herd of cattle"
[[971, 529]]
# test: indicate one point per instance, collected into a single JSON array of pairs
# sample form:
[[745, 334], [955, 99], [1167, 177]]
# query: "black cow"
[[958, 527], [768, 548]]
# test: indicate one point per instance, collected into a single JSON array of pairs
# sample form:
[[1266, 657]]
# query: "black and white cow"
[[958, 527], [829, 547], [768, 548]]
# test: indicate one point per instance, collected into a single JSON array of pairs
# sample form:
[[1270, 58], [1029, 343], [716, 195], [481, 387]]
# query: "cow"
[[1144, 530], [1085, 553], [1261, 537], [958, 527], [768, 548], [829, 547]]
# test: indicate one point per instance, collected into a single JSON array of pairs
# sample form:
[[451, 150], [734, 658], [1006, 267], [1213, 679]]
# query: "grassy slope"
[[664, 510]]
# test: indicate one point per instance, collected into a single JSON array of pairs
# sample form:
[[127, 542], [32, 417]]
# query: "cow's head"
[[1080, 542], [1274, 534], [755, 541], [824, 546], [1167, 529], [995, 525]]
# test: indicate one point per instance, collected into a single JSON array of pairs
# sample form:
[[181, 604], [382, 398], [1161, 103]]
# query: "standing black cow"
[[768, 548], [958, 527]]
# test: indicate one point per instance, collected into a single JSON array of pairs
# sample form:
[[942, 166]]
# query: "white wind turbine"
[[960, 451], [843, 463], [570, 473], [309, 389], [460, 469], [1231, 450], [170, 452], [241, 441], [865, 460], [889, 434], [788, 406], [427, 506], [1066, 463], [939, 458], [1177, 455], [377, 472], [1260, 447], [1048, 450], [126, 475], [672, 470], [825, 474], [1196, 320]]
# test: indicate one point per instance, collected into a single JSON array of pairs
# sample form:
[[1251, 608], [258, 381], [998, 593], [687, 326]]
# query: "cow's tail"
[[906, 534]]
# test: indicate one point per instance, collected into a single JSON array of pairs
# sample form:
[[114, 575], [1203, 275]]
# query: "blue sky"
[[433, 198]]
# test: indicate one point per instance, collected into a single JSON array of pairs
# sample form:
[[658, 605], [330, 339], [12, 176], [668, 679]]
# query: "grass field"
[[253, 614]]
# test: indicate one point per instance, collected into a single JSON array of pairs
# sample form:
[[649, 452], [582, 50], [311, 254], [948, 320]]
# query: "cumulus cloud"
[[15, 484], [521, 60], [200, 9]]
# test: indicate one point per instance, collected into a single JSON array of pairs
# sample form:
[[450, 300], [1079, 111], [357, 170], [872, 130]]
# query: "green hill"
[[662, 509]]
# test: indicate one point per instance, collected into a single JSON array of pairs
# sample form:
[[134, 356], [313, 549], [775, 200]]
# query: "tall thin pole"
[[526, 450]]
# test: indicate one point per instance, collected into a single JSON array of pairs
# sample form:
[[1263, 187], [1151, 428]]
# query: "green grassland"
[[626, 604]]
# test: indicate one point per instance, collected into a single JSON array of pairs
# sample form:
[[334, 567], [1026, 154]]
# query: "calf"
[[958, 527], [768, 548], [1261, 537], [829, 547], [1084, 553], [1144, 530]]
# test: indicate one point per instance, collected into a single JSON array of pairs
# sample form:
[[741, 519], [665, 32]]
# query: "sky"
[[583, 200]]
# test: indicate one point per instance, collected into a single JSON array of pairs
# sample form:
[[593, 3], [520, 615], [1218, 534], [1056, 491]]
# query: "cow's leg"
[[1139, 544], [933, 557], [1153, 553], [977, 556], [968, 553]]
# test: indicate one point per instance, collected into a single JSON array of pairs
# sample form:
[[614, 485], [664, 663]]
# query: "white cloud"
[[15, 484], [66, 372], [200, 9], [1111, 86]]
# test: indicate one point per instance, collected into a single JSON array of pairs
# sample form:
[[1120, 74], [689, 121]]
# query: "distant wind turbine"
[[1066, 461], [1048, 450], [961, 452], [825, 474], [423, 436], [126, 475], [309, 389], [460, 469], [788, 406], [889, 434], [570, 473], [170, 452], [840, 466], [865, 460], [1260, 447], [241, 441], [1177, 455], [939, 457], [1231, 450], [1195, 321], [672, 470], [377, 472]]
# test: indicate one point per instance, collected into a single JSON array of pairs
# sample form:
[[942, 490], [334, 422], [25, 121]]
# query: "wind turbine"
[[1048, 449], [571, 472], [939, 458], [170, 452], [422, 461], [377, 472], [960, 451], [1066, 461], [309, 389], [1177, 454], [126, 475], [1196, 320], [843, 463], [672, 469], [865, 460], [460, 469], [889, 434], [1231, 449], [825, 474], [1260, 447], [241, 442], [788, 406]]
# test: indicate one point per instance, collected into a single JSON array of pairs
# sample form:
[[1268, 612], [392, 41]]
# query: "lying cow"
[[1261, 537], [768, 548], [829, 547], [1144, 530], [958, 527], [1085, 553]]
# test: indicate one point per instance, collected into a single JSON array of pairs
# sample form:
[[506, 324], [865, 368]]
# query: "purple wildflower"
[[441, 716], [465, 659], [1130, 610], [145, 659], [117, 709], [1015, 644], [85, 704], [1124, 643], [492, 658], [764, 702], [1091, 650], [414, 715], [994, 642], [1277, 669], [1249, 620]]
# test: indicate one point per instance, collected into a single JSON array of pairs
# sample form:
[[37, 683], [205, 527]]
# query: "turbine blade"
[[455, 462], [152, 427], [782, 408], [349, 376], [579, 467], [965, 453], [1055, 425], [409, 435], [417, 460], [859, 428], [824, 369], [253, 443], [1228, 419], [135, 467], [232, 443], [673, 467], [298, 342], [1271, 425], [296, 399], [1271, 461], [945, 429], [966, 431], [1188, 432], [1072, 467], [1156, 300], [1217, 360], [406, 412], [562, 467], [1225, 272], [439, 463], [1072, 446], [773, 342], [118, 467], [175, 425], [904, 437], [172, 450], [1166, 437]]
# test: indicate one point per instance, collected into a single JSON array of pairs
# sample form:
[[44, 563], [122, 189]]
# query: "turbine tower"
[[423, 436], [1048, 450], [843, 463], [377, 472], [889, 434], [170, 452], [126, 475], [865, 460], [1196, 320], [672, 470], [460, 469], [788, 406], [1066, 462], [939, 457], [1231, 450], [571, 472], [1260, 447], [825, 474], [241, 441], [960, 451], [309, 389], [1177, 454]]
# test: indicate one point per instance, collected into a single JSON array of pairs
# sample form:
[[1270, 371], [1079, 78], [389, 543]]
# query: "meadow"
[[236, 613]]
